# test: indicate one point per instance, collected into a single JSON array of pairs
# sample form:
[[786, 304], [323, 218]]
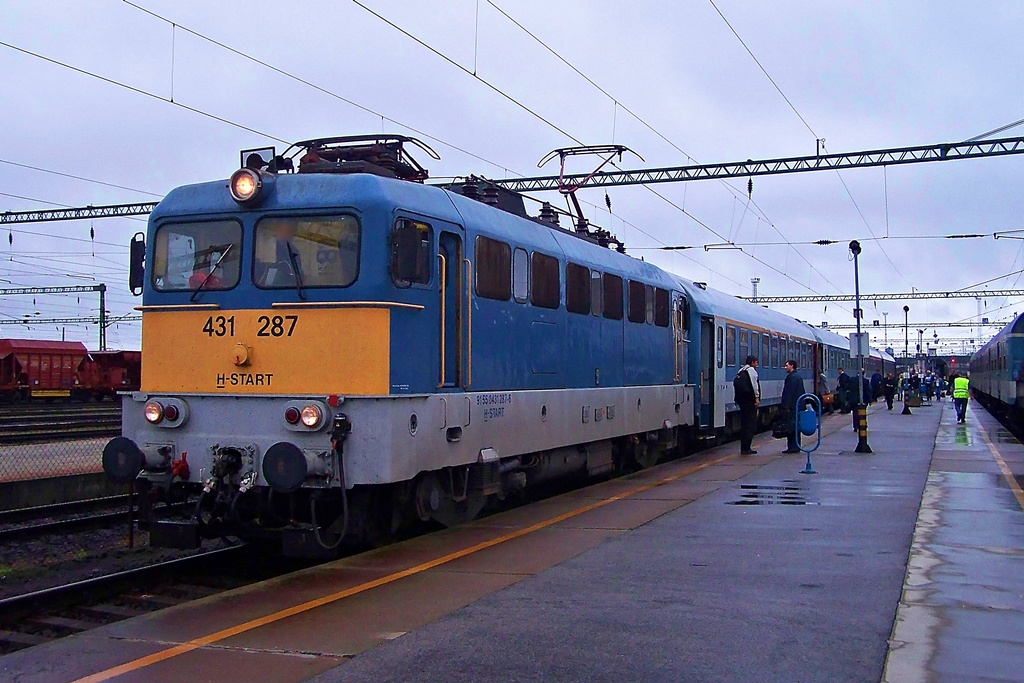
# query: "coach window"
[[744, 345], [545, 287], [612, 296], [595, 293], [661, 307], [765, 351], [730, 346], [720, 347], [493, 269], [637, 305], [188, 254], [775, 351], [410, 253], [520, 275], [306, 251], [577, 289]]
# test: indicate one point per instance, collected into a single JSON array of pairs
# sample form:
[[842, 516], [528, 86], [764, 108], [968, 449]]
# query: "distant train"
[[997, 370], [64, 371], [340, 351]]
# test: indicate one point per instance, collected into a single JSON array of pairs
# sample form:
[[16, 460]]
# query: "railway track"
[[34, 424], [47, 615]]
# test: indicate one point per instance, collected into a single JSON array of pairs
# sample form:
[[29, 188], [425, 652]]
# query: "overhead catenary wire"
[[559, 129]]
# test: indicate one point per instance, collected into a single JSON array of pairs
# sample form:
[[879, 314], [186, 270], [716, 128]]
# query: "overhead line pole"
[[70, 289]]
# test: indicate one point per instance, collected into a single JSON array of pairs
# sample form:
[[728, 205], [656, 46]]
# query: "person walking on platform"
[[792, 390], [940, 387], [889, 389], [876, 388], [843, 392], [961, 394], [747, 390]]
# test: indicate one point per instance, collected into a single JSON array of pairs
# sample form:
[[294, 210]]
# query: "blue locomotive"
[[335, 349]]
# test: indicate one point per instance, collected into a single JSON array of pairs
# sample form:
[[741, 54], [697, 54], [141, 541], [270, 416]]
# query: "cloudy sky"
[[668, 79]]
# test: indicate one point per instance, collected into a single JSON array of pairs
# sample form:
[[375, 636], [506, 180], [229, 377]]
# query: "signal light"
[[154, 412], [292, 415], [171, 412], [245, 185]]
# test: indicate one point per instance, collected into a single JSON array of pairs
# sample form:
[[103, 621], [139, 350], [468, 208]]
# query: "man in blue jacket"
[[792, 390]]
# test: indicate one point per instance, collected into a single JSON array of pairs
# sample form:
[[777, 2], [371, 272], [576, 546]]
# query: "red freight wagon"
[[104, 373], [38, 369]]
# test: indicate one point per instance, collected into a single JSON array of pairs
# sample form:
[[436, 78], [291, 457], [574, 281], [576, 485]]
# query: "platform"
[[718, 567]]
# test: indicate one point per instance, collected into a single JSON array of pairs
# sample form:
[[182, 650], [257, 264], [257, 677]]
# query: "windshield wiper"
[[213, 270], [295, 270]]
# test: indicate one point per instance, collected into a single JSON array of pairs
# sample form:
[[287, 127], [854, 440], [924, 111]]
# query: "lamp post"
[[906, 357], [861, 414], [885, 328]]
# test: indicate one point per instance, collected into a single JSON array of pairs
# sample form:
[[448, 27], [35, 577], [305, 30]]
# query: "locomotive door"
[[707, 371], [450, 270], [680, 333]]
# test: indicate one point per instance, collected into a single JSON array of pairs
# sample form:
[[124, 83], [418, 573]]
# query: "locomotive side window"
[[596, 288], [649, 301], [612, 296], [520, 275], [661, 307], [577, 289], [493, 269], [730, 346], [637, 302], [306, 251], [188, 254], [410, 253], [545, 286]]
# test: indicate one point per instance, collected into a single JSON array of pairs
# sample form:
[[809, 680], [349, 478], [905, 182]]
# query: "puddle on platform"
[[786, 493]]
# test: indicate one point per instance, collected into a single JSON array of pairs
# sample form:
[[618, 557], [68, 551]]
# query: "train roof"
[[713, 302], [9, 346], [830, 338], [1016, 326]]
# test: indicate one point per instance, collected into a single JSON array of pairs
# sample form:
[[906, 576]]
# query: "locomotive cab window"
[[661, 307], [306, 251], [577, 289], [545, 287], [410, 253], [637, 302], [612, 296], [186, 255], [493, 269]]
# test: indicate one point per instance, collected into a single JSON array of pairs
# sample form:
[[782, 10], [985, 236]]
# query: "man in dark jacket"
[[876, 388], [843, 391], [748, 397], [792, 390], [889, 389]]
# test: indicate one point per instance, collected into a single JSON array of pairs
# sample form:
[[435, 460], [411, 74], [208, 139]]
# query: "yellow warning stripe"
[[197, 643]]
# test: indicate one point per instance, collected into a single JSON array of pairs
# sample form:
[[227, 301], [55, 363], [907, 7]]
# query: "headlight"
[[154, 412], [245, 185], [312, 415]]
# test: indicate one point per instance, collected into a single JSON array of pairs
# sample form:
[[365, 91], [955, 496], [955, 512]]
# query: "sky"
[[165, 106]]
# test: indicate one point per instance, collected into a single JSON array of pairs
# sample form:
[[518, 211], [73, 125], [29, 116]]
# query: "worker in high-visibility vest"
[[961, 392]]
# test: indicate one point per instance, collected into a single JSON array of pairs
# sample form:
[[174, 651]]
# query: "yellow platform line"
[[195, 644], [1007, 472]]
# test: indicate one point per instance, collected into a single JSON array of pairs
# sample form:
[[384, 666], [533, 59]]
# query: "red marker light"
[[332, 400], [171, 412], [292, 415]]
